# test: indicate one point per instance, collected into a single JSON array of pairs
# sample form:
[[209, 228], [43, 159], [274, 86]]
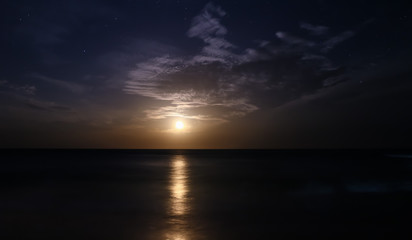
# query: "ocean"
[[205, 194]]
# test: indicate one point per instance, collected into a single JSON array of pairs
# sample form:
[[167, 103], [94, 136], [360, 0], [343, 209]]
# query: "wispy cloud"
[[223, 82], [334, 41], [313, 29], [208, 28], [19, 100], [25, 89], [45, 106], [296, 41], [70, 86]]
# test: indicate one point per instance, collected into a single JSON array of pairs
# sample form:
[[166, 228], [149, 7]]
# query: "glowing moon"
[[179, 125]]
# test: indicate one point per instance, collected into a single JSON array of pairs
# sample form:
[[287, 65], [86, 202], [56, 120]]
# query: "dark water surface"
[[205, 194]]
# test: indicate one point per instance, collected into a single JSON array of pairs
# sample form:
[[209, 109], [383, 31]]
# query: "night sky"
[[238, 74]]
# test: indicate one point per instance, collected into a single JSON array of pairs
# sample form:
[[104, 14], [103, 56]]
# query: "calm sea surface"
[[205, 194]]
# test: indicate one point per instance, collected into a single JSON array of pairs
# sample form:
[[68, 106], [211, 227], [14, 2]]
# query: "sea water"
[[205, 194]]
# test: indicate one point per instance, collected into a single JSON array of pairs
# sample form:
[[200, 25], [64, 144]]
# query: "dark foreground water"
[[181, 195]]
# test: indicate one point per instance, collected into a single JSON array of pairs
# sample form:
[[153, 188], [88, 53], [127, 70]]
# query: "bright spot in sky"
[[179, 125]]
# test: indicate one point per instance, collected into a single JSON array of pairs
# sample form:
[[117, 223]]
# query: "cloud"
[[46, 106], [292, 40], [322, 46], [338, 39], [25, 89], [17, 100], [223, 82], [334, 41], [70, 86], [314, 30], [208, 28], [207, 24]]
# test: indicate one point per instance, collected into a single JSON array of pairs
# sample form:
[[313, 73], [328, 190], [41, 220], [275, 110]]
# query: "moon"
[[179, 125]]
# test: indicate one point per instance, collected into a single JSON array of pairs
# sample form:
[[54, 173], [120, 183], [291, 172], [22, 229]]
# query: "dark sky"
[[238, 74]]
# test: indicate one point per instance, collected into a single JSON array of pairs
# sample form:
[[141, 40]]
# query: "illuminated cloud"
[[271, 69], [208, 28], [223, 82]]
